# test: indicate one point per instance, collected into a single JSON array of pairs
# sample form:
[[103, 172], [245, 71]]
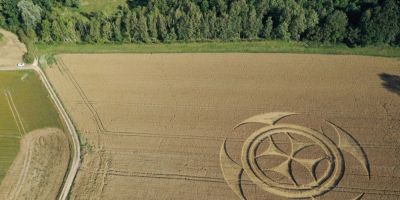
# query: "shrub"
[[28, 57]]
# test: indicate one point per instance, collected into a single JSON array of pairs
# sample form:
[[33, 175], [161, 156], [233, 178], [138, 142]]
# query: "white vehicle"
[[21, 65]]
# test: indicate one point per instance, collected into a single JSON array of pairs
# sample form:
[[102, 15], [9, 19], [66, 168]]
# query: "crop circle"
[[330, 178]]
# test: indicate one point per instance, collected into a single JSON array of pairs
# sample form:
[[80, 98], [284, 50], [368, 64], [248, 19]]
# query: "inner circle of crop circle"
[[328, 181]]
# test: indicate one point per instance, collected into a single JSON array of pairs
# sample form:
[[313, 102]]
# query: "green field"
[[220, 47], [107, 6], [32, 109]]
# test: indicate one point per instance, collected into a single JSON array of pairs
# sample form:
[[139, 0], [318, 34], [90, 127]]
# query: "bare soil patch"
[[39, 169], [154, 124], [11, 49]]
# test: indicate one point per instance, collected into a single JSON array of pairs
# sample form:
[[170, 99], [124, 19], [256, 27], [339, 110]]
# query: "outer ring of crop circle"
[[332, 176]]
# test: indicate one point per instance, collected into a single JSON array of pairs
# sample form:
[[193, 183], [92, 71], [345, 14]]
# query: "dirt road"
[[76, 159]]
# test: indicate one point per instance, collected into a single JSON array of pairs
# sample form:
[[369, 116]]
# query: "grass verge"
[[220, 47]]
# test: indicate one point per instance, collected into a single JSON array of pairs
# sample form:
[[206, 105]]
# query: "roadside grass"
[[220, 47], [34, 107], [108, 6]]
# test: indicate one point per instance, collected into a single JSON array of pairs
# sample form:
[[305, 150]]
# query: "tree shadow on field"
[[391, 82]]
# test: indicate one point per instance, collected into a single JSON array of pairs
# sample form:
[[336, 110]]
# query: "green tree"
[[184, 27], [381, 24], [221, 31], [46, 31], [267, 29], [205, 27], [252, 25], [151, 17], [126, 25], [30, 14], [10, 13], [94, 31], [212, 25], [234, 27], [298, 23], [116, 27], [137, 3], [282, 31], [106, 30], [162, 28], [72, 3], [351, 22], [334, 28], [57, 32], [28, 57], [142, 29]]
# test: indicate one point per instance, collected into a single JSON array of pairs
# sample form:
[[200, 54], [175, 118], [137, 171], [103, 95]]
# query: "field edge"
[[220, 47]]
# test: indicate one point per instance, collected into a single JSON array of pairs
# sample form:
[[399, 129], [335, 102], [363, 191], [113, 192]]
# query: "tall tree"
[[382, 23], [334, 28], [31, 14]]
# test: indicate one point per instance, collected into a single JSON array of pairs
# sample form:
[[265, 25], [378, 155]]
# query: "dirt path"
[[76, 159]]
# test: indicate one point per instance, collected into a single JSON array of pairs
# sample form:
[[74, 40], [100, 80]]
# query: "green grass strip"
[[220, 47]]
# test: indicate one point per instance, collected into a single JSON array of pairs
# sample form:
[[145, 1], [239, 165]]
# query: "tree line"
[[353, 22]]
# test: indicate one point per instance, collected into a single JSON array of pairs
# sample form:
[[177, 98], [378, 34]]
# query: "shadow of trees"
[[391, 82]]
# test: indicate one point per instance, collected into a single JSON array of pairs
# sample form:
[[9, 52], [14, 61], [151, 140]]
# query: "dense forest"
[[353, 22]]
